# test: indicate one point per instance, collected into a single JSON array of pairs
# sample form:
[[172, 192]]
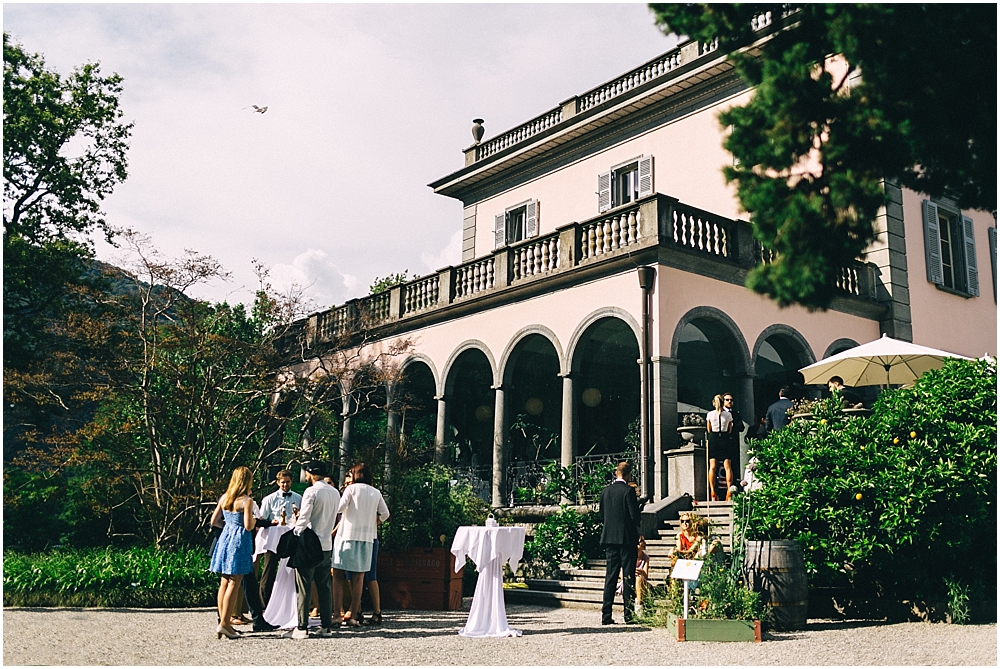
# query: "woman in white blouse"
[[363, 508], [720, 444]]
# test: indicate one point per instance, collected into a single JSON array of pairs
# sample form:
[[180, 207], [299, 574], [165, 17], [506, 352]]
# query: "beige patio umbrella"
[[885, 361]]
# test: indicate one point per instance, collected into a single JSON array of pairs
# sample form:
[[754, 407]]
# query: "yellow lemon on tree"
[[858, 497], [822, 421], [913, 435], [895, 440]]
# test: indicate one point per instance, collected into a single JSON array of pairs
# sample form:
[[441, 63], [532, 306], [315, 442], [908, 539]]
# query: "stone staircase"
[[583, 588]]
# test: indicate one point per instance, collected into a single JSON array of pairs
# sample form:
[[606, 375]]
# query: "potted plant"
[[692, 427], [722, 606], [416, 567]]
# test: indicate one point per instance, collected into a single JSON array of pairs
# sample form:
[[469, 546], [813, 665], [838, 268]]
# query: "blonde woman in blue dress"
[[233, 554]]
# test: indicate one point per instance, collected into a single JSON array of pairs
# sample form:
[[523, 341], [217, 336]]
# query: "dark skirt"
[[721, 446]]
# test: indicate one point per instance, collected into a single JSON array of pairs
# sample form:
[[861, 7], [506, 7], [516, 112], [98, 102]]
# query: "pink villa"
[[601, 296]]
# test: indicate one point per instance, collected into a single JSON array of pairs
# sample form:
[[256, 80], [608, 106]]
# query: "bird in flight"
[[258, 110]]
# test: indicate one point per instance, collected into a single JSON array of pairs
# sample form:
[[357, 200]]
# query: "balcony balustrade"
[[657, 222]]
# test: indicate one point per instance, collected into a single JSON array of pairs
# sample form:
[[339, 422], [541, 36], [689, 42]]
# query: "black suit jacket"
[[620, 515]]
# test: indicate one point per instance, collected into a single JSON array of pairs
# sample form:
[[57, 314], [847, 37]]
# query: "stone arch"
[[421, 357], [723, 319], [807, 357], [839, 346], [501, 370], [606, 384], [606, 312], [712, 357], [445, 381]]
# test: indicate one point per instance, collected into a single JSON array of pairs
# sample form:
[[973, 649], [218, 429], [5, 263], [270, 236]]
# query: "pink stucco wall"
[[678, 292], [964, 325], [687, 164]]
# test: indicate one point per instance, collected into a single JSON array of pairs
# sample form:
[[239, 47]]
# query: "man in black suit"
[[620, 538], [777, 413]]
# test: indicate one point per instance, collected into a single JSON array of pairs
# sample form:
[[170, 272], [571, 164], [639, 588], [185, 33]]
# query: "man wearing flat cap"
[[318, 513]]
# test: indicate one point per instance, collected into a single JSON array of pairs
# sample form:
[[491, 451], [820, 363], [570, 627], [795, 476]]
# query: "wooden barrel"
[[776, 569]]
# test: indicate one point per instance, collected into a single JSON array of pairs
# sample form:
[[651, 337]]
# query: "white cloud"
[[366, 105], [449, 255], [315, 271]]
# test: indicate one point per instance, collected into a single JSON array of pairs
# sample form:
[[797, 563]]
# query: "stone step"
[[553, 585], [575, 599]]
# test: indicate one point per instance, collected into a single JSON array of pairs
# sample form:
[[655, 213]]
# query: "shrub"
[[721, 593], [140, 577], [567, 536], [426, 504], [901, 504]]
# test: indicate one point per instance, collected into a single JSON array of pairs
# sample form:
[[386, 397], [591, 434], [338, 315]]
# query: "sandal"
[[375, 619], [352, 623]]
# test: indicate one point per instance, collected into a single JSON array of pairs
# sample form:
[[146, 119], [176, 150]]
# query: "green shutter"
[[932, 243]]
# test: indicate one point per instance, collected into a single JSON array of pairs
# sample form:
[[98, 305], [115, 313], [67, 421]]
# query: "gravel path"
[[551, 637]]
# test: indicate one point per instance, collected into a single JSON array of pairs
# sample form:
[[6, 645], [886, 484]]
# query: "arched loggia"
[[779, 354]]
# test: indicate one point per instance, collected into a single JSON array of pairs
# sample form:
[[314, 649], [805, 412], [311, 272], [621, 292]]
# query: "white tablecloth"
[[268, 538], [282, 608], [489, 548]]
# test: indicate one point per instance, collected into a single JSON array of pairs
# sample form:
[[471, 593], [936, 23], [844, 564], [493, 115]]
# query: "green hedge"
[[140, 577], [901, 504]]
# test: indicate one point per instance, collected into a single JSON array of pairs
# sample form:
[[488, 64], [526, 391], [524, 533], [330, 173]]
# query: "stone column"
[[393, 435], [345, 437], [567, 444], [441, 434], [499, 439], [664, 410], [748, 411]]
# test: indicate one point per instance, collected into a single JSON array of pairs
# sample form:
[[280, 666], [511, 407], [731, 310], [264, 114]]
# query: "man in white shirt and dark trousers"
[[281, 501], [318, 513]]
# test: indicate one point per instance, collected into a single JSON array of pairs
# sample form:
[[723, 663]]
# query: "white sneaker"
[[296, 634], [324, 633]]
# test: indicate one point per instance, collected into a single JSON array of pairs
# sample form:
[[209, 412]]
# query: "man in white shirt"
[[282, 499], [318, 513]]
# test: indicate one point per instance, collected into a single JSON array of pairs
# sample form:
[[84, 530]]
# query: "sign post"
[[687, 571]]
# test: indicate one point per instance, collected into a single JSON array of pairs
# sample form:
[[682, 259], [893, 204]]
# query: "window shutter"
[[993, 258], [645, 176], [500, 230], [604, 192], [531, 219], [932, 243], [971, 268]]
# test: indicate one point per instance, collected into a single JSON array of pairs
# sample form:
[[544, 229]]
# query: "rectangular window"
[[950, 248], [517, 223], [946, 226], [625, 183]]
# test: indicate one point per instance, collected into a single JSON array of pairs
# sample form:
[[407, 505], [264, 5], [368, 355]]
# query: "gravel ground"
[[551, 637]]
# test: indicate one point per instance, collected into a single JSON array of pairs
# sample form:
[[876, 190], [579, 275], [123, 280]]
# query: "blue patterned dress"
[[233, 553]]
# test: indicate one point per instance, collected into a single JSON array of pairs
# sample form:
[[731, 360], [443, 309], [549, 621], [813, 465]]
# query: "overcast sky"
[[367, 104]]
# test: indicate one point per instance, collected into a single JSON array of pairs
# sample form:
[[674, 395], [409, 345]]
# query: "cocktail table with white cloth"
[[489, 548], [282, 608]]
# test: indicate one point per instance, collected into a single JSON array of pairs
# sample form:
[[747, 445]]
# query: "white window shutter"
[[500, 230], [932, 243], [971, 267], [993, 257], [604, 192], [531, 219], [645, 176]]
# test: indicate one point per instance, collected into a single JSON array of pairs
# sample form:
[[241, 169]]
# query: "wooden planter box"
[[420, 578], [704, 629]]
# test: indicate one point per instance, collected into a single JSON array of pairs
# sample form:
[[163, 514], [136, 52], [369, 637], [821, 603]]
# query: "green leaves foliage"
[[426, 503], [567, 536], [816, 141], [142, 577], [895, 503]]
